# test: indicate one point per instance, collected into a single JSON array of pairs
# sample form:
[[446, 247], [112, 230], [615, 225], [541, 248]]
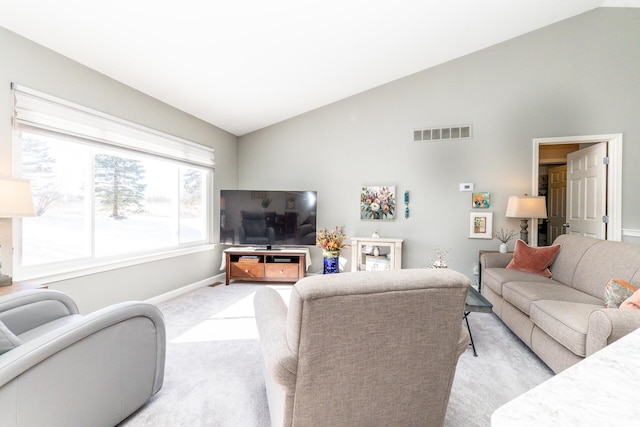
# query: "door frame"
[[614, 177]]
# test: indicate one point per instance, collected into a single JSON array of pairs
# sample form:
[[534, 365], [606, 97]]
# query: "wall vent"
[[442, 133]]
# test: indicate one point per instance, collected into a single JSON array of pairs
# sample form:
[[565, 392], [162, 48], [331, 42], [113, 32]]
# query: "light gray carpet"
[[213, 373]]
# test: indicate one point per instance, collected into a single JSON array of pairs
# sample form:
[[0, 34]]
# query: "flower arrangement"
[[505, 235], [377, 202], [331, 240]]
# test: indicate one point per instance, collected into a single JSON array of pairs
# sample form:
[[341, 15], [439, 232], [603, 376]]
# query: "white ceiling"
[[245, 64]]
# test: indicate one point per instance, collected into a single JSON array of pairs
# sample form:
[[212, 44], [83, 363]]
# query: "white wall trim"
[[630, 233], [186, 289]]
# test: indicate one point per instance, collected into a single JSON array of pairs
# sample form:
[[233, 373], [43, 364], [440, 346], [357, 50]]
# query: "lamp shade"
[[15, 198], [526, 207]]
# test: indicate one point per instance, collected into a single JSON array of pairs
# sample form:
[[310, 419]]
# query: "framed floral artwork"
[[481, 225], [378, 203], [480, 200]]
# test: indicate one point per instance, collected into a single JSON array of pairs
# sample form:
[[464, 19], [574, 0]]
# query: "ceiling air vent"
[[442, 133]]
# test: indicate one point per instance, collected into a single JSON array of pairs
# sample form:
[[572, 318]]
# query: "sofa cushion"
[[495, 278], [566, 322], [533, 260], [8, 341], [522, 294], [573, 248], [605, 260], [616, 291]]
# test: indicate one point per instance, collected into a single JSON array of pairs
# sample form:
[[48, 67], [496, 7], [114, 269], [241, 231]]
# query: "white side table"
[[374, 254]]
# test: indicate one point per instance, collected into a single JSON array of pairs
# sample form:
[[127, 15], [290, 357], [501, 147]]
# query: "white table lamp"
[[525, 207], [15, 202]]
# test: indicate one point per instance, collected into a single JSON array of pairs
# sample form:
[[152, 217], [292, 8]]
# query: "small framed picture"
[[481, 225], [480, 200]]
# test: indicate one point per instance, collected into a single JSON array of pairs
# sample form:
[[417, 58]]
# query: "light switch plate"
[[466, 186]]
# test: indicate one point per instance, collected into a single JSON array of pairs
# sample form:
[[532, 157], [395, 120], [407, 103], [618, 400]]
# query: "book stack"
[[251, 259]]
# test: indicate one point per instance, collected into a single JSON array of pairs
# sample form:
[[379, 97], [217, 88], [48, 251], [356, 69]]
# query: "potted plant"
[[331, 242], [504, 236]]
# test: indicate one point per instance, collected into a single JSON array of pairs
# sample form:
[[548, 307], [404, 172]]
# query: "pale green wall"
[[34, 66], [577, 77]]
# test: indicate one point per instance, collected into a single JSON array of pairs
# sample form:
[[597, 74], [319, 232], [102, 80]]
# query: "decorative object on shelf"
[[505, 236], [376, 251], [378, 203], [525, 207], [481, 200], [266, 201], [15, 202], [440, 258], [406, 204], [481, 225], [331, 242], [375, 234]]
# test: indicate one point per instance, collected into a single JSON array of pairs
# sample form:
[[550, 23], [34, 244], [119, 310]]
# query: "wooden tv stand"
[[262, 265]]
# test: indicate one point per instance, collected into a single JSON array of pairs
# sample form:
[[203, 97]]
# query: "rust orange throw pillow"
[[632, 302], [533, 260]]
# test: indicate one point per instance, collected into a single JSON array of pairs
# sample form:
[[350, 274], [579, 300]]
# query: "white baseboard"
[[185, 289], [630, 232]]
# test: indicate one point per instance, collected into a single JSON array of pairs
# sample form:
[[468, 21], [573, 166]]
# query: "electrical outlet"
[[476, 269]]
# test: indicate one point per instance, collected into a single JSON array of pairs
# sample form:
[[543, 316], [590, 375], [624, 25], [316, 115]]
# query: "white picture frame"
[[480, 225]]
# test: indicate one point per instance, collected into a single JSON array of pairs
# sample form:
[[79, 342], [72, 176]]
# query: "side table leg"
[[473, 346]]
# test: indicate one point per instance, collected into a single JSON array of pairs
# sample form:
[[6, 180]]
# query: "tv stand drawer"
[[245, 270], [281, 271]]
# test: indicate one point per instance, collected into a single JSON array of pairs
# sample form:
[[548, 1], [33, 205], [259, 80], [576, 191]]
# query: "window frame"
[[163, 147]]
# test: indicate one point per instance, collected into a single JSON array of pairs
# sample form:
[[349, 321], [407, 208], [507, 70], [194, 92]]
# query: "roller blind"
[[33, 109]]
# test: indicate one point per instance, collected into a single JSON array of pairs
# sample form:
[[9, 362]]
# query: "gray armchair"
[[363, 348], [61, 368]]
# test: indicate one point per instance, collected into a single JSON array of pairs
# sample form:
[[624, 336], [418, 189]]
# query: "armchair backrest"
[[375, 348]]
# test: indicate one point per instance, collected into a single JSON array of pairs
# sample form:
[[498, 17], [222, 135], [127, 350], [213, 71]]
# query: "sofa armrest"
[[495, 260], [23, 311], [607, 325], [271, 319]]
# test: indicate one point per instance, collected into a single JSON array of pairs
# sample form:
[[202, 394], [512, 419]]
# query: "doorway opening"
[[552, 152]]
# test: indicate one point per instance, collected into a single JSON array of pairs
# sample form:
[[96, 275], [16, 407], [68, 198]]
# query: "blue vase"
[[331, 262]]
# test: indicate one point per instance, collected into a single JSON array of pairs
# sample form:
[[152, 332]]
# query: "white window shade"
[[37, 110]]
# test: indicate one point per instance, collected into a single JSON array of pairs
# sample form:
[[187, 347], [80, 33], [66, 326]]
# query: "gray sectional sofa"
[[563, 319]]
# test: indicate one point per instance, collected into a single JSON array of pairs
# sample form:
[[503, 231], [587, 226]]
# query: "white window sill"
[[72, 273]]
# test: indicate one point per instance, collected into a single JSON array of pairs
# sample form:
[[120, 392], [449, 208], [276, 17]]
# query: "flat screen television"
[[268, 218]]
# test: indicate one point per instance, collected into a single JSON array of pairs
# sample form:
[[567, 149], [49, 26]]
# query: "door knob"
[[566, 224]]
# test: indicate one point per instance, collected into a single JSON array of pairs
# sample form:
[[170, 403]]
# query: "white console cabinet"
[[375, 253]]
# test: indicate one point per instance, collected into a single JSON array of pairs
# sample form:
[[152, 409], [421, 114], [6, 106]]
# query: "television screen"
[[267, 218]]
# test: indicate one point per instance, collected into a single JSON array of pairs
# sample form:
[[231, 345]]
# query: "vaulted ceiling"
[[245, 64]]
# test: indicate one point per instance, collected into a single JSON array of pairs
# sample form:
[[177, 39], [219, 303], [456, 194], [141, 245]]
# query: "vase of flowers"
[[331, 242], [504, 236]]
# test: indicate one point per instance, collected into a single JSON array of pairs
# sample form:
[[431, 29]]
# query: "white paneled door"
[[557, 202], [586, 191]]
